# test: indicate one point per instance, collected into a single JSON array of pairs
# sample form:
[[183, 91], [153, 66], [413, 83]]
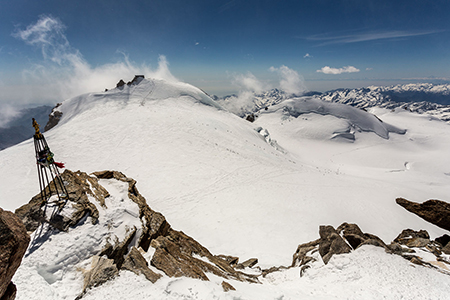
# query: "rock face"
[[14, 241], [78, 185], [409, 244], [331, 243], [175, 253], [53, 118], [436, 212]]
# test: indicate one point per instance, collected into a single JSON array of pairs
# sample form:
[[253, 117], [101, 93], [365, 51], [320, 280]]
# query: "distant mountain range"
[[420, 97], [20, 129]]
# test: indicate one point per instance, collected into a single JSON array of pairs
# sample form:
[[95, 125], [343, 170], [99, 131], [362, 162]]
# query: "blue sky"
[[52, 49]]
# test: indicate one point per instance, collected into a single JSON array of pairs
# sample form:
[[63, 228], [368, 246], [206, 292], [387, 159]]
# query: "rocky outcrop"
[[436, 212], [79, 187], [409, 244], [331, 243], [14, 241], [137, 264], [179, 255], [175, 253], [53, 118], [102, 270]]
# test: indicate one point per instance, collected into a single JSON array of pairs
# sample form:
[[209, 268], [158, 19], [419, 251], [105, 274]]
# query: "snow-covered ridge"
[[139, 92], [355, 117]]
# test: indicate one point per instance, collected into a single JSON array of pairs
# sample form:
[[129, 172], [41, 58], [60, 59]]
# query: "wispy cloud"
[[64, 73], [307, 55], [336, 71], [330, 38]]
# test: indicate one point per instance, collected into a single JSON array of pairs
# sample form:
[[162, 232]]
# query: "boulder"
[[331, 243], [436, 212], [249, 263], [411, 238], [14, 241], [356, 238], [53, 118], [227, 287], [443, 240], [102, 270], [137, 264]]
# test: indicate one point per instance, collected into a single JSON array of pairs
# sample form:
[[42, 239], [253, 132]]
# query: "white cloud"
[[291, 82], [248, 82], [369, 69], [307, 55], [335, 71], [64, 73]]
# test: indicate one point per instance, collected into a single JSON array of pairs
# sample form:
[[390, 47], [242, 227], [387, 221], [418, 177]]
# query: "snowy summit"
[[245, 189]]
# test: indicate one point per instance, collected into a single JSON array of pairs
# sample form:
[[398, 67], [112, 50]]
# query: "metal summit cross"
[[53, 192]]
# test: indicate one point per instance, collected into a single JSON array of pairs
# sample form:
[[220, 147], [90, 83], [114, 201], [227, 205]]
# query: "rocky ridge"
[[154, 249]]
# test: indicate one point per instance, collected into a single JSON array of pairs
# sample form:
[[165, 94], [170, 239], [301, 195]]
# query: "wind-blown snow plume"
[[64, 72], [291, 82]]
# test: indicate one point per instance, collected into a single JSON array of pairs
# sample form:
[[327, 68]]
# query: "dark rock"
[[265, 272], [356, 238], [102, 270], [411, 238], [251, 118], [120, 84], [137, 264], [300, 258], [436, 212], [119, 250], [53, 118], [231, 260], [303, 270], [14, 241], [249, 263], [10, 293], [443, 240], [79, 186], [331, 243], [227, 287]]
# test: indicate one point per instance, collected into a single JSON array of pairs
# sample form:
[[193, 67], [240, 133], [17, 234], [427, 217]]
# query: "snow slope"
[[216, 178]]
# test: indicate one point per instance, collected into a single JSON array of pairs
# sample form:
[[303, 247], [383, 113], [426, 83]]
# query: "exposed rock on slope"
[[414, 246], [14, 241], [175, 253], [436, 212]]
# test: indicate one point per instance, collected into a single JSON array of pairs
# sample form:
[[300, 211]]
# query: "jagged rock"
[[300, 258], [411, 238], [227, 287], [137, 264], [173, 262], [10, 293], [249, 263], [446, 249], [356, 238], [443, 240], [231, 260], [331, 243], [120, 84], [53, 118], [303, 269], [14, 241], [119, 250], [102, 270], [79, 186], [155, 223], [265, 272], [436, 212]]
